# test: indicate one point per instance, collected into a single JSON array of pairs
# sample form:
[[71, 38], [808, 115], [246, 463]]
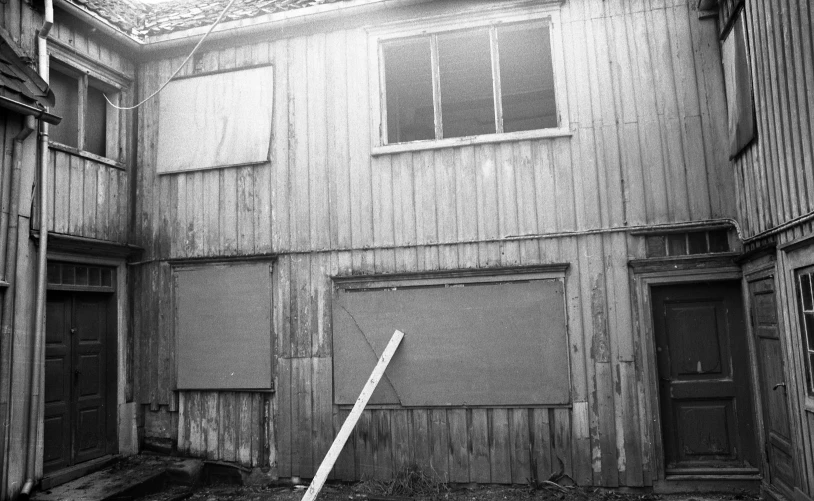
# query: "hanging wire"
[[223, 13]]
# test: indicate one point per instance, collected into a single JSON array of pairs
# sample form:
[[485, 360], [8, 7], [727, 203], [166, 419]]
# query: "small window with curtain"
[[490, 79], [88, 121]]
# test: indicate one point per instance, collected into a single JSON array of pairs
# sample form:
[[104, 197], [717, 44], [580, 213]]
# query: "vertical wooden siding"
[[647, 113], [87, 198], [646, 96], [775, 176], [228, 426]]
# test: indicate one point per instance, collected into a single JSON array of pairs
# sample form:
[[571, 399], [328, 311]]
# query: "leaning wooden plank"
[[350, 422]]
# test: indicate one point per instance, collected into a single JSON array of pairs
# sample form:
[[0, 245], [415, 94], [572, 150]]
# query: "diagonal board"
[[347, 427], [483, 344]]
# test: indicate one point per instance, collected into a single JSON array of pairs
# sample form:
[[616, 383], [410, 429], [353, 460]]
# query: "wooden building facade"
[[635, 161], [588, 288], [775, 184], [88, 218]]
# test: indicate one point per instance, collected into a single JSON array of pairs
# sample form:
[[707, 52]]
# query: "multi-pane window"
[[80, 101], [687, 243], [485, 80], [805, 287]]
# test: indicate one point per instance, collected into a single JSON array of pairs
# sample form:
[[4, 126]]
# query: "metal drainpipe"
[[10, 269], [38, 355]]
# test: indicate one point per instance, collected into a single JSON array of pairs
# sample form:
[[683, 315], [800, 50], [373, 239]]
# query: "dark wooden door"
[[706, 405], [80, 379], [771, 374]]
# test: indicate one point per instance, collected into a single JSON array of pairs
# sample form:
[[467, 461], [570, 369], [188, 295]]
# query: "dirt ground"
[[365, 492]]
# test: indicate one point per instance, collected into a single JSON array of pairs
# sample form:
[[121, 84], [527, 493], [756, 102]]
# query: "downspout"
[[10, 225], [38, 354]]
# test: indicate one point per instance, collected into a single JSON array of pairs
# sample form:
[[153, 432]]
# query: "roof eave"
[[102, 24], [259, 24]]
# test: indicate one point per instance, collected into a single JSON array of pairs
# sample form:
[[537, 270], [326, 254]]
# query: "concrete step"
[[129, 479]]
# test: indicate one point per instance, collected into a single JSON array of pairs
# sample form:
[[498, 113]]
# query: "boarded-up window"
[[215, 120], [465, 344], [223, 327], [739, 103]]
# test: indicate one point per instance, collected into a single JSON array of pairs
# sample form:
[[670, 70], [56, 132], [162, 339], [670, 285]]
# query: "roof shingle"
[[139, 19]]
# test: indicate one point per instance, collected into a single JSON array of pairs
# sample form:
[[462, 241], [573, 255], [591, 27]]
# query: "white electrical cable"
[[223, 13]]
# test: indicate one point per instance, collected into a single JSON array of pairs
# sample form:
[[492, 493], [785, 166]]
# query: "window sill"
[[85, 154], [433, 144]]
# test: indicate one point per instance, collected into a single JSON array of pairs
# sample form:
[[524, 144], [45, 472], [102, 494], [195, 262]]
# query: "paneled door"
[[773, 390], [703, 369], [80, 378]]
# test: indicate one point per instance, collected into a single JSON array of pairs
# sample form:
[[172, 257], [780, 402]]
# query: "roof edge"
[[247, 26], [100, 23], [313, 13]]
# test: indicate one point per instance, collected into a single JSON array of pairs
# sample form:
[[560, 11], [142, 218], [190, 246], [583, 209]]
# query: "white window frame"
[[546, 13]]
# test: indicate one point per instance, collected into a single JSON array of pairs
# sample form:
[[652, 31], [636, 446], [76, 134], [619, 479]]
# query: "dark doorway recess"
[[80, 378], [772, 382], [704, 387]]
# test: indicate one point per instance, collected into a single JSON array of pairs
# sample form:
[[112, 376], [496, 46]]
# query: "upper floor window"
[[88, 122], [492, 79], [739, 103]]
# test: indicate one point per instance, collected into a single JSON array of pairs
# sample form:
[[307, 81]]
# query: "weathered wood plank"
[[243, 424], [499, 446], [520, 446], [479, 461], [439, 443], [286, 428], [302, 417]]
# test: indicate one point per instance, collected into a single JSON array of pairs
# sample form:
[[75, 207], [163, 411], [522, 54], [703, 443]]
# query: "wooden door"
[[703, 368], [771, 376], [80, 379]]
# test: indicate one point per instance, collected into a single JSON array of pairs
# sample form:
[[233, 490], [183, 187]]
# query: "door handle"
[[778, 385], [76, 373]]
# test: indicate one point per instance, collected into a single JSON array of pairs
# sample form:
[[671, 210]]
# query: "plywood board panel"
[[206, 121], [455, 350], [224, 323]]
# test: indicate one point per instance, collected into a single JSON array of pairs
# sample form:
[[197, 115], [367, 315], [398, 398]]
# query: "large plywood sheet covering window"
[[473, 344], [223, 324], [215, 120], [739, 102]]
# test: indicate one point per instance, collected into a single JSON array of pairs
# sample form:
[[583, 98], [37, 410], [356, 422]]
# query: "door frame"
[[645, 276], [760, 270], [126, 432], [792, 256]]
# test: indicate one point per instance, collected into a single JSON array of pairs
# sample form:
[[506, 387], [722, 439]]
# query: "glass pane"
[[806, 292], [718, 241], [408, 85], [96, 122], [54, 273], [809, 328], [465, 65], [66, 90], [677, 244], [526, 78], [697, 242], [655, 246]]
